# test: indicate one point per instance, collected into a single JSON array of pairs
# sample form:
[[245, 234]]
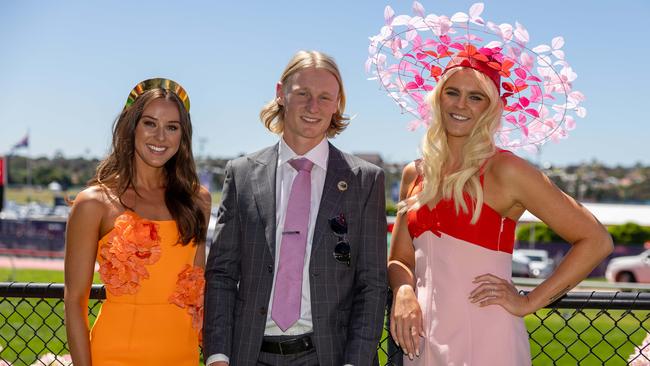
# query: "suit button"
[[315, 274], [263, 311], [270, 268]]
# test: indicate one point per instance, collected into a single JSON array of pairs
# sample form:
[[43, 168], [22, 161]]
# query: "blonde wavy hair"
[[272, 114], [478, 148]]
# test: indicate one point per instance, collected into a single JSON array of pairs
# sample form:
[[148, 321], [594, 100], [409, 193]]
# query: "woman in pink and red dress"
[[451, 250], [450, 257]]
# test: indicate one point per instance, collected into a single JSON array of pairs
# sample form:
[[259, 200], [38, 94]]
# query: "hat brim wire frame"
[[404, 76]]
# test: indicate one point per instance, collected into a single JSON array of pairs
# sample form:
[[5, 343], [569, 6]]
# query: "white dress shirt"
[[284, 177], [283, 181]]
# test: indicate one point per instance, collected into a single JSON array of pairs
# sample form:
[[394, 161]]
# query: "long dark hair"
[[117, 171]]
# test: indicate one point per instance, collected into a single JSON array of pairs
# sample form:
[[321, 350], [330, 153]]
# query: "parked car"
[[520, 265], [635, 268], [540, 264]]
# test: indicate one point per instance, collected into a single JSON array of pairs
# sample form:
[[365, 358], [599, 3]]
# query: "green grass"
[[35, 275], [588, 337], [28, 326], [47, 317], [26, 195], [384, 345], [599, 279]]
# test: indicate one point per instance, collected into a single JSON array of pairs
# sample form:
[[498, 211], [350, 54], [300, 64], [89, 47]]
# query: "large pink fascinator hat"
[[412, 52]]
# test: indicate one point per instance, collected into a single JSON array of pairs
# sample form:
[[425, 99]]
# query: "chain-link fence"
[[31, 323], [582, 328]]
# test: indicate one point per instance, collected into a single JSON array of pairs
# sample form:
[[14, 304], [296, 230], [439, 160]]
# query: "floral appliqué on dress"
[[134, 244], [189, 295]]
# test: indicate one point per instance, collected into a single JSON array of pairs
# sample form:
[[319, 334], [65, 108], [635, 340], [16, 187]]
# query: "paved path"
[[31, 263]]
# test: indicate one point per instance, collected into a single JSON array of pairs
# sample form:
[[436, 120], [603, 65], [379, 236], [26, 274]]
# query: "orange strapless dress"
[[153, 309]]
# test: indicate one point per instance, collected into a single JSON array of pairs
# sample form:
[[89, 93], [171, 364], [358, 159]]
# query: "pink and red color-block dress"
[[449, 253]]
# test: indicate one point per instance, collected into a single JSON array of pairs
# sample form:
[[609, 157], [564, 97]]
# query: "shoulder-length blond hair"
[[272, 114], [478, 148]]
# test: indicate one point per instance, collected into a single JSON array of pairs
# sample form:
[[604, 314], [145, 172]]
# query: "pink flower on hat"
[[411, 52]]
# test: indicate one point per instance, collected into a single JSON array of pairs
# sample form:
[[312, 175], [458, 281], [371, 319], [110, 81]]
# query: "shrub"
[[542, 234], [391, 209], [629, 233]]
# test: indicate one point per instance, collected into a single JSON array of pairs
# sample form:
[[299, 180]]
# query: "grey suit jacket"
[[347, 303]]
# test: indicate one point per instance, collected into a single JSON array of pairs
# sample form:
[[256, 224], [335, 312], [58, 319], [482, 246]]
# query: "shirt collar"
[[318, 155]]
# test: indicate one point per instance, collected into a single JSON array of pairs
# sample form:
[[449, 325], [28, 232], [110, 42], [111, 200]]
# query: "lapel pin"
[[342, 186]]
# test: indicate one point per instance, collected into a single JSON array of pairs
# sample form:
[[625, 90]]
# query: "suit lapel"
[[263, 179], [338, 170]]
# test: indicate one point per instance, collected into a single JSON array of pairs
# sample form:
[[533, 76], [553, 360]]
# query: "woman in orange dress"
[[143, 218]]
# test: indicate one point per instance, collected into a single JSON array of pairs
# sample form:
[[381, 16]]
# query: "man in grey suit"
[[296, 274]]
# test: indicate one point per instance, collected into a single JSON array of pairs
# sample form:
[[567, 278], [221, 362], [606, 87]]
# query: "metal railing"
[[582, 328]]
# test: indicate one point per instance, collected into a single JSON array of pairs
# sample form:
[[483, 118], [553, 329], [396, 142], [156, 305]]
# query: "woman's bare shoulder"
[[205, 197], [204, 194], [409, 175], [507, 166], [94, 200], [410, 172], [93, 195]]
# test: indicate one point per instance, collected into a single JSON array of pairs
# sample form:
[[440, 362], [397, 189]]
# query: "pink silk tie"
[[288, 282]]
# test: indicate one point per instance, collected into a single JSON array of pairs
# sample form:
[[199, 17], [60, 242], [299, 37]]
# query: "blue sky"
[[66, 68]]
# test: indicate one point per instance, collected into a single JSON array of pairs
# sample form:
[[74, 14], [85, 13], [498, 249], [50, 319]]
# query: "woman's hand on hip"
[[493, 290]]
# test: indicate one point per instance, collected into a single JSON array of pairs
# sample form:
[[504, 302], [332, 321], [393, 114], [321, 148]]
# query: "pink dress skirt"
[[449, 253]]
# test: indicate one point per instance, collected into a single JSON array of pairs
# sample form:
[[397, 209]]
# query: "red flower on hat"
[[470, 51]]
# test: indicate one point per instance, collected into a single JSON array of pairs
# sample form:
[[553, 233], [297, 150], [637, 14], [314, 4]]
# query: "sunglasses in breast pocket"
[[339, 227]]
